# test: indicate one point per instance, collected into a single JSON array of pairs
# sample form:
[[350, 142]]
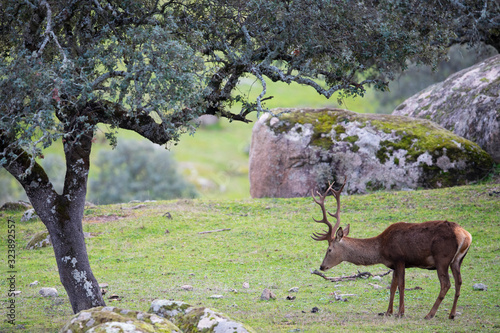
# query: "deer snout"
[[322, 268]]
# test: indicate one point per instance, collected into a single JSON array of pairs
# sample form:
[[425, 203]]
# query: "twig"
[[363, 275], [210, 231], [255, 71], [48, 33]]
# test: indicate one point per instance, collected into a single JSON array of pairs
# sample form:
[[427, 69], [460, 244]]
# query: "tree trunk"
[[62, 214], [72, 262]]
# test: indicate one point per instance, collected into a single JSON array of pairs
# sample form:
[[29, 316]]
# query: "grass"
[[268, 246]]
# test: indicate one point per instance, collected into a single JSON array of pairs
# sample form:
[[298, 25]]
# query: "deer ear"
[[346, 231], [339, 234]]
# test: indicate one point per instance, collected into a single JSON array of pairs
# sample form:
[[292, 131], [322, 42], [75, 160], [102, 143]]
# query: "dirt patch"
[[103, 218]]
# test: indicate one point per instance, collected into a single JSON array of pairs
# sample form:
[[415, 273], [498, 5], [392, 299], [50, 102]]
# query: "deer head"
[[333, 255]]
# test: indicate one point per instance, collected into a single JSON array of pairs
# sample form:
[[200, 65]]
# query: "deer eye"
[[329, 250]]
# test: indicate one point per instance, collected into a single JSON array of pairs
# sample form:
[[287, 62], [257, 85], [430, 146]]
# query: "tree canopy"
[[154, 66]]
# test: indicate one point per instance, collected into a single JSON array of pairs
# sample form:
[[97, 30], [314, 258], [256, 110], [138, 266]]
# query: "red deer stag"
[[430, 245]]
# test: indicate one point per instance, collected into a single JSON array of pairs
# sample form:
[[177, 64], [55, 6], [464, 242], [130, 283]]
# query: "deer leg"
[[455, 269], [401, 287], [444, 279], [394, 286]]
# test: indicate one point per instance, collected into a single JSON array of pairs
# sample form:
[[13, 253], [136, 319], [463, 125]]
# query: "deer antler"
[[327, 235], [336, 194]]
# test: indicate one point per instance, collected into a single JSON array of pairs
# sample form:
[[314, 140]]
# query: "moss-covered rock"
[[40, 239], [196, 320], [466, 103], [15, 206], [307, 148], [112, 319]]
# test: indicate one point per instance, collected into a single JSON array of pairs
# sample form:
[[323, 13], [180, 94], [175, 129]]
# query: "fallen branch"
[[210, 231], [363, 275]]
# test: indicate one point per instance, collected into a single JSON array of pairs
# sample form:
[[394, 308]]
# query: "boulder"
[[307, 148], [112, 319], [40, 239], [196, 319], [15, 206], [466, 103]]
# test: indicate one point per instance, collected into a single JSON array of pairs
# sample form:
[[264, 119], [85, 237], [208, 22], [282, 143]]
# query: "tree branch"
[[97, 82], [49, 33], [362, 275]]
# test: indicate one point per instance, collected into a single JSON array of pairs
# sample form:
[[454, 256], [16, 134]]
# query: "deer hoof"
[[429, 316], [452, 316]]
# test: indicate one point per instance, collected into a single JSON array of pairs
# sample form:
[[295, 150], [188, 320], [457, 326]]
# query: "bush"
[[137, 170]]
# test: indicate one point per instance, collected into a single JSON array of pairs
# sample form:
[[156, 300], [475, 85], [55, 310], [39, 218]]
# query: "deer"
[[432, 245]]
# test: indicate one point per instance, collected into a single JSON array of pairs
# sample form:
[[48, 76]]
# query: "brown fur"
[[436, 245]]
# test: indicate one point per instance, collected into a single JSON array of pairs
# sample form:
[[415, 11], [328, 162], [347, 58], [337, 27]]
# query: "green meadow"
[[145, 255]]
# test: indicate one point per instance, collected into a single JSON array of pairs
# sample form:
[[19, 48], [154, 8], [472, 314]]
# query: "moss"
[[339, 129], [352, 139], [189, 322], [374, 186], [424, 108], [40, 239], [322, 121], [418, 137], [382, 154], [182, 307], [492, 88], [101, 318]]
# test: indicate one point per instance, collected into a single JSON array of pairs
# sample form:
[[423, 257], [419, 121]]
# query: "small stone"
[[376, 286], [34, 283], [29, 215], [290, 298], [377, 278], [16, 292], [187, 287], [246, 285], [103, 285], [480, 286], [267, 295], [294, 290], [48, 292], [216, 296]]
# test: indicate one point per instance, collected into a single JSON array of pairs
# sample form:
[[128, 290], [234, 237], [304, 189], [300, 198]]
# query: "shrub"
[[137, 170]]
